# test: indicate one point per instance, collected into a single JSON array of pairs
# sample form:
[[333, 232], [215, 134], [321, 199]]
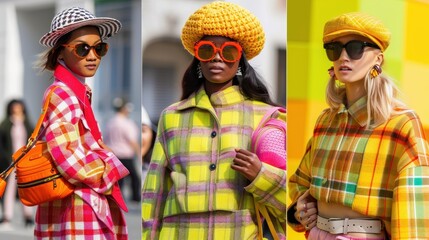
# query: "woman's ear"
[[380, 59], [60, 55]]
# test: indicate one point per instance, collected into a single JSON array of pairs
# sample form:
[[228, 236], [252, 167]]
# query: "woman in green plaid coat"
[[203, 178]]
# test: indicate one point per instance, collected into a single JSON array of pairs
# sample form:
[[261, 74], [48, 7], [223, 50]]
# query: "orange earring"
[[331, 72], [375, 71]]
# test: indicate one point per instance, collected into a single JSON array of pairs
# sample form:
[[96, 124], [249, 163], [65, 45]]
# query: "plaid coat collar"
[[64, 75], [200, 99], [357, 111]]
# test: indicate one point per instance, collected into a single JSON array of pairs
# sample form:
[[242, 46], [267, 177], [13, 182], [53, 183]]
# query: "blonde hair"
[[382, 101]]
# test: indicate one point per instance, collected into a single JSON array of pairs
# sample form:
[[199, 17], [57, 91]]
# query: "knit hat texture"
[[227, 20], [360, 24]]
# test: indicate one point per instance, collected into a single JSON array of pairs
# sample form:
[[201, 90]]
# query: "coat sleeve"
[[155, 189], [269, 186], [298, 183], [410, 205], [269, 189], [77, 155]]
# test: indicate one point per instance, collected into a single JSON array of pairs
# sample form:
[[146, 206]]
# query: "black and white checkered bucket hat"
[[74, 18]]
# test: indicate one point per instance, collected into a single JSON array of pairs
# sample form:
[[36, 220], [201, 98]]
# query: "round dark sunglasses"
[[81, 50], [353, 48]]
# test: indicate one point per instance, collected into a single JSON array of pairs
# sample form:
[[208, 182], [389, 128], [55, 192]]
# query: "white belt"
[[346, 225]]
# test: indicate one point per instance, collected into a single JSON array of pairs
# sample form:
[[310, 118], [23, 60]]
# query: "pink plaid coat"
[[94, 210]]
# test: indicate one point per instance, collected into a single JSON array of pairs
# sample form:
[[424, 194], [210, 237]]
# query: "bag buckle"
[[30, 143]]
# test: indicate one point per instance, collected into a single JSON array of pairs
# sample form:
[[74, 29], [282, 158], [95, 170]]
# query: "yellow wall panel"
[[416, 31], [406, 61], [417, 81]]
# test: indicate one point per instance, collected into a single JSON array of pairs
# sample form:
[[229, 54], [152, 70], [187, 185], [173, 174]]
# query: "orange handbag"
[[36, 174]]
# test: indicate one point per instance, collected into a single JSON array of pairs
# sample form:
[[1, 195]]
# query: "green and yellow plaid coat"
[[381, 172], [191, 191]]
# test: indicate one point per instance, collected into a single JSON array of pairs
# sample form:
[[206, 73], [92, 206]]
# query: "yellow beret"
[[360, 24], [227, 20]]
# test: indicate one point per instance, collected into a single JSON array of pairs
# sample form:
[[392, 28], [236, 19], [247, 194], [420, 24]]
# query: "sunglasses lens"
[[230, 53], [82, 49], [333, 50], [205, 52], [101, 49], [354, 49]]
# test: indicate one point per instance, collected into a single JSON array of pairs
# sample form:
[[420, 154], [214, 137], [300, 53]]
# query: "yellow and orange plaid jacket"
[[381, 172]]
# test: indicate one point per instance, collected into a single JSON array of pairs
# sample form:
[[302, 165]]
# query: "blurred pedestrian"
[[76, 44], [148, 141], [203, 178], [122, 136], [15, 129]]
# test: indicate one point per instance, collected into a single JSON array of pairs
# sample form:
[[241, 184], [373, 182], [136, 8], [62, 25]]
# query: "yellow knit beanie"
[[360, 24], [227, 20]]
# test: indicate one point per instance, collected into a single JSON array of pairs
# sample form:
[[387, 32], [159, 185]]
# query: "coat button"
[[212, 167], [213, 135]]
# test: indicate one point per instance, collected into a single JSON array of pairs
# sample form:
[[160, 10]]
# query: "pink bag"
[[269, 139]]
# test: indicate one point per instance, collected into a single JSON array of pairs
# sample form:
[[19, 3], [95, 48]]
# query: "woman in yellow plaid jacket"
[[365, 171], [202, 177]]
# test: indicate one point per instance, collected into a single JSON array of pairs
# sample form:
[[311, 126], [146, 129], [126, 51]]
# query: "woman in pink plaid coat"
[[94, 209]]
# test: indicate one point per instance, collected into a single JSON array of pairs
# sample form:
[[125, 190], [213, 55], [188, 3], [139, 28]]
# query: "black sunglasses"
[[81, 50], [353, 48]]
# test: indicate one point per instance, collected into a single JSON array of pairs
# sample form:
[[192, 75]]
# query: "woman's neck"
[[216, 87], [78, 77], [354, 91]]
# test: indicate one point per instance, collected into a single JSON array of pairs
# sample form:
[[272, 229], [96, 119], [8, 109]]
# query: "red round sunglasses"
[[205, 51]]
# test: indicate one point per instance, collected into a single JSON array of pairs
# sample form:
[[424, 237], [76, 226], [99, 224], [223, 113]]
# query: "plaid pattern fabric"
[[72, 218], [190, 191], [88, 213], [382, 172]]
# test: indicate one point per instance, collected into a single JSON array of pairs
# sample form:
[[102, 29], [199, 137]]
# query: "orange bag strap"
[[262, 209], [267, 116], [33, 138], [36, 132], [259, 220]]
